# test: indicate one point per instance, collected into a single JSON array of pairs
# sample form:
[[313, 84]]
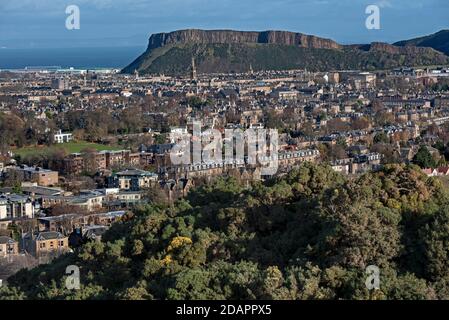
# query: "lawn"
[[70, 147]]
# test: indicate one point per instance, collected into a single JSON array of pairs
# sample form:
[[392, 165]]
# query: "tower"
[[193, 75]]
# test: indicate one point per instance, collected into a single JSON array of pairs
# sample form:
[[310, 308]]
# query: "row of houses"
[[56, 235], [281, 159], [36, 244], [437, 172], [358, 164], [77, 163]]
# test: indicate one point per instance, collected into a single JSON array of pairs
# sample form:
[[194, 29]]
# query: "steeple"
[[193, 75]]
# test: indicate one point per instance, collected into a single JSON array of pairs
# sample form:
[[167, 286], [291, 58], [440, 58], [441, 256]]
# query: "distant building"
[[45, 242], [334, 77], [42, 177], [59, 84], [126, 93], [160, 148], [177, 134], [77, 221], [88, 201], [366, 162], [285, 94], [133, 180], [13, 206], [88, 233], [8, 246], [76, 163], [62, 137], [360, 80]]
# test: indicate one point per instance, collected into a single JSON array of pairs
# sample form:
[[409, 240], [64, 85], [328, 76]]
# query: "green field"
[[70, 147]]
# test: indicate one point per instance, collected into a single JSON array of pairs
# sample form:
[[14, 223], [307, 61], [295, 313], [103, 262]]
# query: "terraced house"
[[8, 246], [133, 179], [45, 242], [14, 206]]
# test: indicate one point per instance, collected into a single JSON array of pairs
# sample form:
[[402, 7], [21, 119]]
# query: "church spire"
[[193, 74]]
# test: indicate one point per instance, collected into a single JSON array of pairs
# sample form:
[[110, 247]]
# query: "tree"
[[381, 137], [7, 293], [336, 125], [360, 124], [423, 158], [157, 195], [351, 220], [435, 238], [383, 118], [89, 160]]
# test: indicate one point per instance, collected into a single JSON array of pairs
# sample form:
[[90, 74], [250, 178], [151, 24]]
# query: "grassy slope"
[[237, 57], [71, 147], [439, 41]]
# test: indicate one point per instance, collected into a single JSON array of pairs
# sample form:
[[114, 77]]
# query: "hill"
[[218, 51], [308, 235], [438, 41]]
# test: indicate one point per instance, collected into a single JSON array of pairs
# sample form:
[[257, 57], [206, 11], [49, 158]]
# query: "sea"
[[77, 58]]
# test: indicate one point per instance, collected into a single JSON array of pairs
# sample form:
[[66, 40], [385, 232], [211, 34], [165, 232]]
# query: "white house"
[[63, 137]]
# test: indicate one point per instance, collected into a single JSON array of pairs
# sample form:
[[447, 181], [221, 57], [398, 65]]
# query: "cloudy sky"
[[41, 23]]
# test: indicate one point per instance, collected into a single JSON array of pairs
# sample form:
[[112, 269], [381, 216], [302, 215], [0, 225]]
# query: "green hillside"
[[438, 41], [308, 235], [217, 58]]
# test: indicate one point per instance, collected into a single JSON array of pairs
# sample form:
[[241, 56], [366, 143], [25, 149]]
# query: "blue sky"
[[41, 23]]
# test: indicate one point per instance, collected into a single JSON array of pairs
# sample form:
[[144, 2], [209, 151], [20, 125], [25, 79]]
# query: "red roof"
[[443, 170]]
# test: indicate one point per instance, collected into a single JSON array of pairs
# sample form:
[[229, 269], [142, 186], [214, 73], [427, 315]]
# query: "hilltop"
[[438, 41], [234, 51]]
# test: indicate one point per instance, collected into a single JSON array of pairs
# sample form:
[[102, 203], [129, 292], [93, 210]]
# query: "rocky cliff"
[[229, 37]]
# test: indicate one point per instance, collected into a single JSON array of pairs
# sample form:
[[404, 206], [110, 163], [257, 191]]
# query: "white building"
[[177, 134], [63, 137], [15, 206]]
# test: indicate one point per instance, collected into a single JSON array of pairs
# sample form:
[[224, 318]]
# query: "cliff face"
[[193, 36]]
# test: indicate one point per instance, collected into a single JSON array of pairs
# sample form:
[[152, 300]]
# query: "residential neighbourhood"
[[208, 169], [353, 121]]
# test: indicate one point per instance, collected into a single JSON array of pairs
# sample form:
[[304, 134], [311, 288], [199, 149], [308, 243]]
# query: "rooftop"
[[6, 240]]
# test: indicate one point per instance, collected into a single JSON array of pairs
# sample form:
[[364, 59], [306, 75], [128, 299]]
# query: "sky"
[[107, 23]]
